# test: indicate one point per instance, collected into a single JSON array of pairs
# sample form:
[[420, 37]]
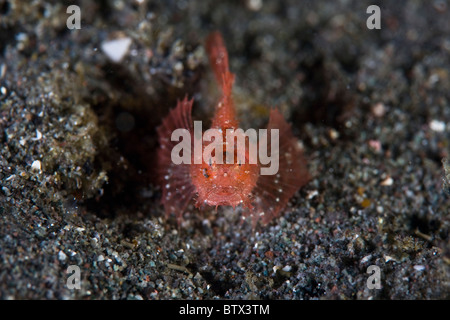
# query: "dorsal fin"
[[218, 56]]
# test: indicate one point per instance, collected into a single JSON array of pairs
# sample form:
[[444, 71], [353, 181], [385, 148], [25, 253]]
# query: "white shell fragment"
[[116, 49]]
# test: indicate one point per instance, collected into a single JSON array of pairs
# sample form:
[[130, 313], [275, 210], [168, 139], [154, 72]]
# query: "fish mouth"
[[225, 197]]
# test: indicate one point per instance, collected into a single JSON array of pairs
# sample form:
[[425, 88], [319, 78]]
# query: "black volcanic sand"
[[78, 141]]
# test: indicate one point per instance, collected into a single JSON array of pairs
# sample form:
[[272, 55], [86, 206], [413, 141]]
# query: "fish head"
[[228, 184]]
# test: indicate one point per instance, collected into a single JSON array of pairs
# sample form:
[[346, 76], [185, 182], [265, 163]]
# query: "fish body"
[[216, 182]]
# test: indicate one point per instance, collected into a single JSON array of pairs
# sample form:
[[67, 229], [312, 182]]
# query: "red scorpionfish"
[[216, 183]]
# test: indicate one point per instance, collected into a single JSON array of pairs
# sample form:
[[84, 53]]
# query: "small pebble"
[[379, 109], [387, 182], [62, 256], [254, 5], [36, 165], [287, 269], [438, 126], [419, 267]]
